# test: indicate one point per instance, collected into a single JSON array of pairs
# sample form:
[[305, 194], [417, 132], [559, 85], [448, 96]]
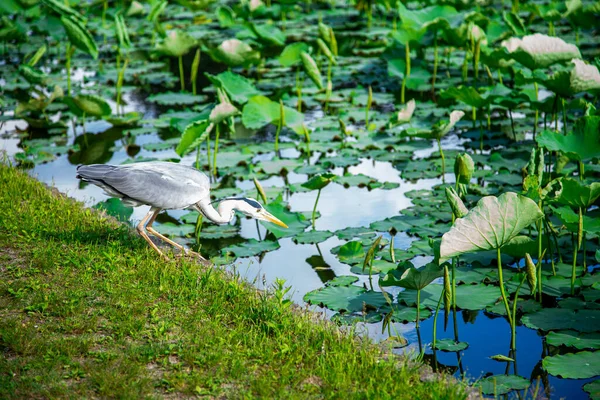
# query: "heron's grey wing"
[[159, 184]]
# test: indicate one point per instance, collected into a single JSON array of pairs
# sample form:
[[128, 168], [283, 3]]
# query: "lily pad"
[[450, 345], [251, 247], [351, 253], [580, 341], [574, 365], [562, 318], [312, 237], [172, 99], [502, 384], [115, 208], [343, 280]]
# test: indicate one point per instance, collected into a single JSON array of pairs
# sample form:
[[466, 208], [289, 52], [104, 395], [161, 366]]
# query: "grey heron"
[[168, 186]]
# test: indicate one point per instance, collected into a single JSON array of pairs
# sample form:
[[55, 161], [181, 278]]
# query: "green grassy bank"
[[88, 310]]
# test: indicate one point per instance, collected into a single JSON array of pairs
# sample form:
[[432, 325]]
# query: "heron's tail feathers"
[[93, 172]]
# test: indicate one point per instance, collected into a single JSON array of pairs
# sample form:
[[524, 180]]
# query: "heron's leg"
[[171, 242], [140, 228]]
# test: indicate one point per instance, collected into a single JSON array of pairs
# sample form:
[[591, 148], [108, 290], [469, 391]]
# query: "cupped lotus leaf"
[[33, 75], [260, 111], [318, 182], [406, 113], [568, 80], [88, 104], [502, 384], [582, 144], [580, 341], [562, 318], [312, 69], [334, 297], [351, 253], [268, 33], [221, 112], [425, 17], [456, 204], [416, 279], [291, 54], [577, 194], [79, 36], [450, 345], [251, 247], [296, 222], [343, 280], [176, 44], [239, 88], [470, 96], [234, 52], [194, 133], [491, 224], [115, 208], [312, 237], [584, 77], [540, 51], [580, 365], [226, 16]]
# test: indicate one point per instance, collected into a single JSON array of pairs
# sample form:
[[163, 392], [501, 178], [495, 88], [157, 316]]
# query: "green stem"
[[314, 213], [392, 254], [573, 268], [443, 160], [279, 125], [208, 153], [217, 131], [539, 270], [537, 112], [180, 59], [68, 67], [299, 90], [435, 317], [513, 338], [406, 72], [419, 307], [198, 157], [502, 291]]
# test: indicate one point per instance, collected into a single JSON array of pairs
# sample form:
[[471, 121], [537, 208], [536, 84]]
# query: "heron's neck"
[[222, 215]]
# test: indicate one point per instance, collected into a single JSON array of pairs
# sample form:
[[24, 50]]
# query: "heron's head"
[[254, 209]]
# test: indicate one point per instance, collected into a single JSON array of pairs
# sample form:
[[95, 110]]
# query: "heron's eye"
[[258, 210]]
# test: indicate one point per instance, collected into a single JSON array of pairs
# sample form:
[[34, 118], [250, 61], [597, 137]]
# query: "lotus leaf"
[[351, 253], [336, 298], [573, 365], [88, 104], [239, 88], [219, 231], [312, 237], [561, 318], [251, 247], [296, 222], [502, 384], [343, 280], [580, 341], [540, 51], [115, 208], [581, 145], [593, 388], [409, 314], [491, 224], [413, 278], [171, 99], [174, 230], [291, 54], [176, 44], [234, 52], [450, 345], [318, 182]]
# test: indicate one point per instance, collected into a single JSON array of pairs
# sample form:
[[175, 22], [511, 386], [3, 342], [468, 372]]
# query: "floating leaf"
[[336, 298], [312, 237], [580, 341], [351, 253], [573, 366], [450, 345], [250, 247], [343, 280], [171, 99], [502, 384], [88, 104], [561, 318]]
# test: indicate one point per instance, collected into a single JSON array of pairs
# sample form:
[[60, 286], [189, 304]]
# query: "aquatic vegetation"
[[349, 116]]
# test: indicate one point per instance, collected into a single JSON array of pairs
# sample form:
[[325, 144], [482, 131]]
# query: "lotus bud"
[[463, 168], [447, 290], [343, 128], [260, 190], [333, 42], [311, 68], [456, 204], [531, 273]]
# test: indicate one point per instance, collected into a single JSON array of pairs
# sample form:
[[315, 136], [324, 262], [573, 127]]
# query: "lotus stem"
[[406, 72], [180, 60], [392, 254], [564, 110], [540, 255], [198, 228], [369, 102], [418, 307], [217, 131], [502, 291], [198, 157], [465, 67], [299, 89], [314, 213], [279, 125], [448, 54], [512, 124], [307, 140], [476, 55], [68, 67], [573, 268], [474, 116], [500, 76], [537, 112], [513, 327], [120, 79], [443, 160], [435, 63], [435, 317], [208, 153]]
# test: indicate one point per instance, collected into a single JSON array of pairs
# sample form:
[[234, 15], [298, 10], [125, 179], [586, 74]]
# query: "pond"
[[362, 119]]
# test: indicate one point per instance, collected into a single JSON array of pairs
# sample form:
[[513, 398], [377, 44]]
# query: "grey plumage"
[[161, 185]]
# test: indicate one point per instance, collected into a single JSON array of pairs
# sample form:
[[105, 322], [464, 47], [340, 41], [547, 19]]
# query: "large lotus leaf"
[[234, 52], [424, 17], [416, 279], [470, 96], [584, 77], [296, 222], [279, 166], [334, 297], [351, 253], [88, 104], [571, 220], [581, 365], [468, 297], [409, 314], [260, 111], [176, 44], [343, 280], [291, 54], [502, 384], [562, 318], [582, 144], [540, 51], [318, 182], [568, 80], [251, 247], [194, 133], [580, 341], [312, 237], [115, 208], [577, 194], [593, 388], [491, 224], [239, 88], [450, 345]]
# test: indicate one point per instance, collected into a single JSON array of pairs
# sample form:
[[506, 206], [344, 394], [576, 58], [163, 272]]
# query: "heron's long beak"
[[265, 215]]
